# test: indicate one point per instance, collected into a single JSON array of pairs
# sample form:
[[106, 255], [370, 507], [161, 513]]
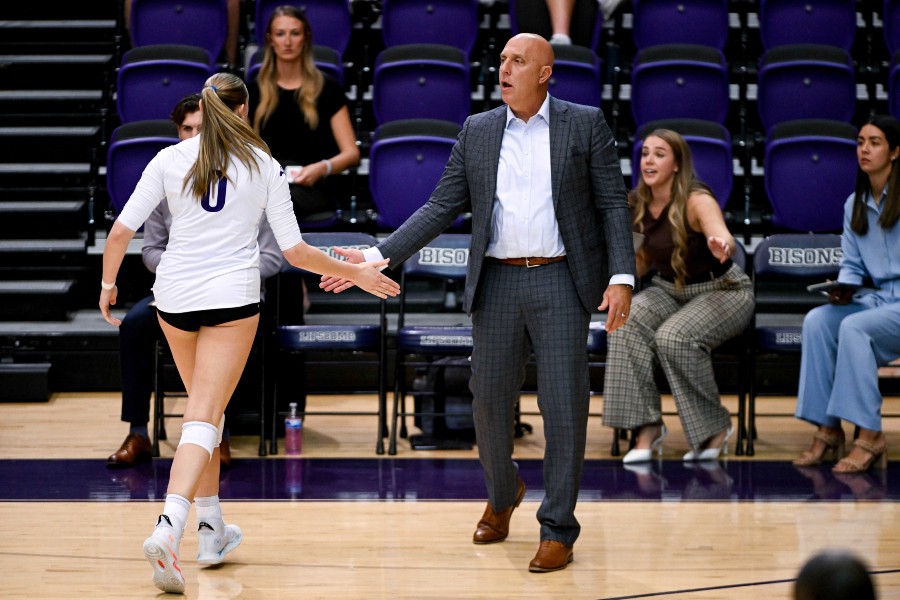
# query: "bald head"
[[543, 51], [526, 64]]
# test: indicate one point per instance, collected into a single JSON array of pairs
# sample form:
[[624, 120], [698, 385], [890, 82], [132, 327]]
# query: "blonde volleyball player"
[[217, 185]]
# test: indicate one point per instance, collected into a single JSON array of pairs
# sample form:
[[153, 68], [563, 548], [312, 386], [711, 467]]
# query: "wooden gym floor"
[[343, 523]]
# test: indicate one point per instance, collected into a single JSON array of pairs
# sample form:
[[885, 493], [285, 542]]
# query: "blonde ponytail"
[[225, 135]]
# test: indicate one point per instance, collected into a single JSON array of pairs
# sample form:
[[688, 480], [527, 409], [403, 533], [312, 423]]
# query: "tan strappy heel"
[[834, 444], [877, 453]]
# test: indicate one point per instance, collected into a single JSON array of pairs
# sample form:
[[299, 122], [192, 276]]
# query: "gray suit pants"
[[520, 310]]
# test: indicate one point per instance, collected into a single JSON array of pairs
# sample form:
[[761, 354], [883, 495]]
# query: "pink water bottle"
[[293, 432]]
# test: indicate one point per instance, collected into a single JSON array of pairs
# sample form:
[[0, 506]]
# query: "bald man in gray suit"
[[550, 224]]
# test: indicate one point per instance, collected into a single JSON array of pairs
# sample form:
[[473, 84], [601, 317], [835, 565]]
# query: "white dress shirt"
[[523, 223]]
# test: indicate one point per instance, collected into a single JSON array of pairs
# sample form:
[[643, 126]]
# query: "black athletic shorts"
[[194, 320]]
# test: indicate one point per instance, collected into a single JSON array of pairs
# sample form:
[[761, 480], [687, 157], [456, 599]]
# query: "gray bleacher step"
[[35, 287], [43, 252], [51, 101], [51, 95], [25, 382], [15, 246], [46, 168], [58, 71], [43, 144], [44, 132], [56, 59], [39, 300], [49, 206], [72, 175], [38, 219]]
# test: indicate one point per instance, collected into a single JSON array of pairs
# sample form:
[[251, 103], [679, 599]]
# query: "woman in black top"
[[301, 113]]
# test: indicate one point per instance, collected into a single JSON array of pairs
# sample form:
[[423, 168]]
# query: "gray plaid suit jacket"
[[588, 195]]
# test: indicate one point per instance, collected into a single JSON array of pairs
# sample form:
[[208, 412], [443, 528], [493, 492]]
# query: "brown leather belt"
[[529, 261]]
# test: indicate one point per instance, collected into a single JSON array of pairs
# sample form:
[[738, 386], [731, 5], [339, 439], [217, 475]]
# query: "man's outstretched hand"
[[337, 285]]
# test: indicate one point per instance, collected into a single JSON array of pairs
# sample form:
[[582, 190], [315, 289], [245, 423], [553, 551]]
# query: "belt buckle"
[[528, 265]]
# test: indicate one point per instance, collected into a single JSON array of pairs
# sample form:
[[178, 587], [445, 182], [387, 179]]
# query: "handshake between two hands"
[[382, 286]]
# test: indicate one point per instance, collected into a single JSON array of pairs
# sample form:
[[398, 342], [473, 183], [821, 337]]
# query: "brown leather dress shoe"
[[225, 455], [135, 449], [551, 556], [494, 527]]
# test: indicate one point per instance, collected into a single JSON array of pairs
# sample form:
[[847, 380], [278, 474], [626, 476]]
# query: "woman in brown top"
[[698, 299]]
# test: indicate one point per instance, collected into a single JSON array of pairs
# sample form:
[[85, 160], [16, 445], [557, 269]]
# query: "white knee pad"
[[220, 430], [200, 434]]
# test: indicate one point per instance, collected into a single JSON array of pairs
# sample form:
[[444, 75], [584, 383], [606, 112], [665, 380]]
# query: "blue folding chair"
[[334, 345], [783, 265], [418, 346]]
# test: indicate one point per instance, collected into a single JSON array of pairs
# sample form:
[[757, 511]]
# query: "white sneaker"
[[213, 546], [161, 551]]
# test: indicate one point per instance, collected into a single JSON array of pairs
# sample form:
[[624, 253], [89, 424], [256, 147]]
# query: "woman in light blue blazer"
[[846, 340]]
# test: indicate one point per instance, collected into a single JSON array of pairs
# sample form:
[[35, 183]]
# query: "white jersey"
[[212, 257]]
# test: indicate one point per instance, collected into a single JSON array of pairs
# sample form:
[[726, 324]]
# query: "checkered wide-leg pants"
[[678, 329]]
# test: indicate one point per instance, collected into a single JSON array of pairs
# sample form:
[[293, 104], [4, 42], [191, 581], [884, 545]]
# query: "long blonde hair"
[[225, 135], [684, 183], [267, 79]]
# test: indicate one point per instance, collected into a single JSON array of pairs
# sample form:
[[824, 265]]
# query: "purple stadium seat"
[[703, 22], [449, 22], [202, 23], [806, 81], [828, 22], [152, 79], [894, 86], [679, 81], [132, 146], [576, 75], [406, 161], [810, 167], [421, 81]]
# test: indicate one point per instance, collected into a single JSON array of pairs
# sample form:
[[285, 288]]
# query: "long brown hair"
[[890, 212], [267, 79], [225, 135], [684, 184]]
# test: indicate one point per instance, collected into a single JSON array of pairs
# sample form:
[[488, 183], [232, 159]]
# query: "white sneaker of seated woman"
[[710, 453], [639, 455]]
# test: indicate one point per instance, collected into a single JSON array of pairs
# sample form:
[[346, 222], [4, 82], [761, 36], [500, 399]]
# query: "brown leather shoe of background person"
[[135, 449], [224, 455], [551, 556], [494, 527]]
